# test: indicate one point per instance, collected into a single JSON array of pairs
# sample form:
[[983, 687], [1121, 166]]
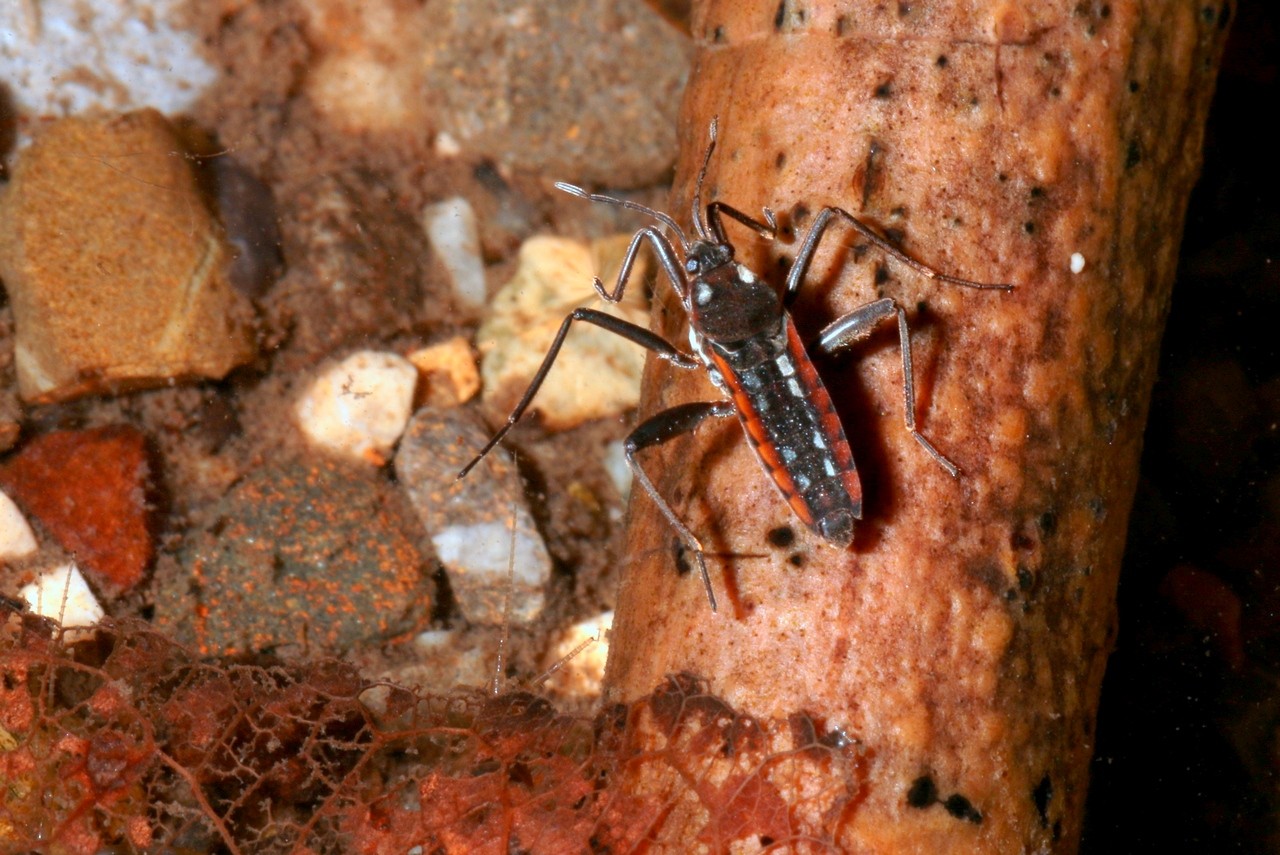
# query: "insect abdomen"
[[788, 416]]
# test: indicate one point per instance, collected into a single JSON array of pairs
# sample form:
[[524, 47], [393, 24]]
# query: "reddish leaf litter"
[[130, 742]]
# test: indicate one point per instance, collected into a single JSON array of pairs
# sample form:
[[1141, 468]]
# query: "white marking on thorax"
[[745, 275], [696, 344]]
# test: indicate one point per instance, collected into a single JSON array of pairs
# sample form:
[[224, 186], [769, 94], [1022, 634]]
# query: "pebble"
[[573, 89], [114, 266], [367, 77], [17, 540], [251, 223], [63, 594], [576, 659], [88, 489], [315, 555], [63, 57], [470, 521], [359, 406], [455, 236], [597, 373], [447, 373], [617, 468]]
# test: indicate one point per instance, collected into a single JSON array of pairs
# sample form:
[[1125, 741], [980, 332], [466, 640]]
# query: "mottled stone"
[[597, 373], [115, 268], [63, 57], [579, 89], [88, 489], [314, 555], [470, 521]]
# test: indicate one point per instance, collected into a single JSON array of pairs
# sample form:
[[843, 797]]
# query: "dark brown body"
[[787, 414]]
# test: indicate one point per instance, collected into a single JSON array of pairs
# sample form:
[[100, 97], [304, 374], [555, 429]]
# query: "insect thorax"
[[731, 304]]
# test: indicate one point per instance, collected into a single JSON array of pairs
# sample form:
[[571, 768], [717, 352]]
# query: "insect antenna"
[[699, 216], [665, 219]]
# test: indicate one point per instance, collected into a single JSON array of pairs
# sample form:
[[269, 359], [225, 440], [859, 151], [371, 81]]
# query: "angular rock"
[[115, 268], [89, 488], [597, 373], [314, 555], [447, 373], [470, 521]]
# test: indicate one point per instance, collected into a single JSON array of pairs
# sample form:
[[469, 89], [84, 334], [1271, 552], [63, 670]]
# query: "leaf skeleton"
[[741, 332]]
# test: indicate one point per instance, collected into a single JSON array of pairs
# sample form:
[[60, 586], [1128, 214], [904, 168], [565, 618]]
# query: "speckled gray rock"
[[313, 555], [469, 521], [584, 90]]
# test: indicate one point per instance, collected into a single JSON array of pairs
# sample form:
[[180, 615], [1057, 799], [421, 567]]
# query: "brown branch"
[[960, 641]]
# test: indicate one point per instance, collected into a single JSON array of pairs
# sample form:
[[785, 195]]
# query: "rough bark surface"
[[960, 642]]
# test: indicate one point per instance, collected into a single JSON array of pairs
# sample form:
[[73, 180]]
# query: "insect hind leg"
[[666, 425], [856, 326]]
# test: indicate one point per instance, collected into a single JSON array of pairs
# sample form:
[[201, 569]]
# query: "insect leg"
[[820, 223], [657, 430], [629, 331], [857, 325], [666, 257], [715, 210]]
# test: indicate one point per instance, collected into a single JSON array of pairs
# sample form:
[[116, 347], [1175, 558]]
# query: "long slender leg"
[[820, 223], [666, 425], [627, 330], [715, 210], [857, 325], [666, 257]]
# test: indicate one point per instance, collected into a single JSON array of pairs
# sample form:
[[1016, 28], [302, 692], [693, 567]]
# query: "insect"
[[741, 333]]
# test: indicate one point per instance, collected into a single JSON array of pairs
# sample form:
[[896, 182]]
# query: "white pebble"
[[65, 57], [359, 407], [1077, 262], [62, 594], [577, 658], [454, 234], [16, 538], [615, 466], [446, 145]]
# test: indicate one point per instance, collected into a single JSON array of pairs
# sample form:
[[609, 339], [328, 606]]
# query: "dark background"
[[1189, 732]]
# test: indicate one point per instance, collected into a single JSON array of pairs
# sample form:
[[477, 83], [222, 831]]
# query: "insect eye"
[[691, 266]]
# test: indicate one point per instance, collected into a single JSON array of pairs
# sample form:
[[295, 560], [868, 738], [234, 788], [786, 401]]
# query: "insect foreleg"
[[856, 326], [820, 223], [666, 257], [666, 425], [627, 330], [715, 210]]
